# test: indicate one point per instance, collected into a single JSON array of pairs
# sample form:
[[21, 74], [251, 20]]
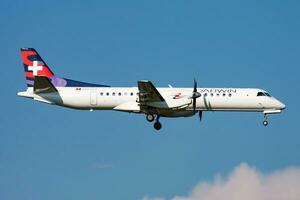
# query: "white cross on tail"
[[35, 68]]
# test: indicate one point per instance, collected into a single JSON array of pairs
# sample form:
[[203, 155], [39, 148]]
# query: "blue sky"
[[48, 152]]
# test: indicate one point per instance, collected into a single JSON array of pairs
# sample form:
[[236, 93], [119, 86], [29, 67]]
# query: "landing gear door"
[[93, 98]]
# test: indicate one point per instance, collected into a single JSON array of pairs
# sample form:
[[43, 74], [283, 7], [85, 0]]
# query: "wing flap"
[[128, 107]]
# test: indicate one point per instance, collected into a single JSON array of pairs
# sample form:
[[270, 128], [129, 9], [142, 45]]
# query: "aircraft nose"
[[281, 105]]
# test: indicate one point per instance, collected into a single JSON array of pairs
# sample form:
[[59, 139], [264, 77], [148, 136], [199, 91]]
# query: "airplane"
[[44, 86]]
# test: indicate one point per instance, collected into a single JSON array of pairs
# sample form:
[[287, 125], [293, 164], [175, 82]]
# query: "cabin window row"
[[131, 94], [218, 94], [116, 93]]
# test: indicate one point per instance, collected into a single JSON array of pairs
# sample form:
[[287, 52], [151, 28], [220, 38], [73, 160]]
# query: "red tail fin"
[[34, 65]]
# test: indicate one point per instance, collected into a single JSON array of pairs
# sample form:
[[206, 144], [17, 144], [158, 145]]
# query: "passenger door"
[[93, 98]]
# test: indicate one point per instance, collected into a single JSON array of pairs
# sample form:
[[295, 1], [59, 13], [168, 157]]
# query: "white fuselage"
[[127, 99]]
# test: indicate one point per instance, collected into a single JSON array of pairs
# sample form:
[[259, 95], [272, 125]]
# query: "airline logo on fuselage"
[[225, 90]]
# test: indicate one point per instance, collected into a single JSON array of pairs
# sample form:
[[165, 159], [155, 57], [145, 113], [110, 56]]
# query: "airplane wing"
[[150, 97], [148, 93]]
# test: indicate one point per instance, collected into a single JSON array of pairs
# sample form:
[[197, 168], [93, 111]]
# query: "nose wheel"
[[265, 122]]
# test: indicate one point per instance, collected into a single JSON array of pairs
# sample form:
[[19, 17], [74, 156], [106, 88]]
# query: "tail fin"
[[34, 65]]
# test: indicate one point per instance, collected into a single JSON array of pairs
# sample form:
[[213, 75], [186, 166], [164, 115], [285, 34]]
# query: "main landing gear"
[[265, 122], [150, 118]]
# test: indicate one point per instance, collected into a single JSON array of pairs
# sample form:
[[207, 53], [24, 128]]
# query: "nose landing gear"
[[265, 122]]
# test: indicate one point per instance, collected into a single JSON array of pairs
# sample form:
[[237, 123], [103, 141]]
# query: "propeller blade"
[[200, 115], [195, 85], [195, 95], [194, 104]]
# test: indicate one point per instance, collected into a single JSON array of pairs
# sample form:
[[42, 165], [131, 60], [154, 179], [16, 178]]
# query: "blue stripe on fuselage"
[[64, 82], [73, 83]]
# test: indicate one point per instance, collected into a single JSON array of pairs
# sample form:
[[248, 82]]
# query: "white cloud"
[[156, 198], [247, 183]]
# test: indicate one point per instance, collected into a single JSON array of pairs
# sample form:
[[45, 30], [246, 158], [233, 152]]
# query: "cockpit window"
[[259, 94], [267, 94]]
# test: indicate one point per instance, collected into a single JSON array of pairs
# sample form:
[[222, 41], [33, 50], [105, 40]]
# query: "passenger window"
[[101, 93], [107, 94], [224, 94], [125, 93], [113, 94], [120, 93], [131, 93], [211, 94], [205, 94], [218, 94], [230, 94]]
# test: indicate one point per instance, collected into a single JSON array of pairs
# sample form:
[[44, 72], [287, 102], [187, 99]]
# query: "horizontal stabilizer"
[[43, 85]]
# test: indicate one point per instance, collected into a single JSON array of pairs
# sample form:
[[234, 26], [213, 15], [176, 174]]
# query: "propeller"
[[196, 95], [200, 115]]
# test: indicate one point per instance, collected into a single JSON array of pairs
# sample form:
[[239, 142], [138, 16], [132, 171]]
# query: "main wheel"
[[157, 125], [150, 117], [265, 123]]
